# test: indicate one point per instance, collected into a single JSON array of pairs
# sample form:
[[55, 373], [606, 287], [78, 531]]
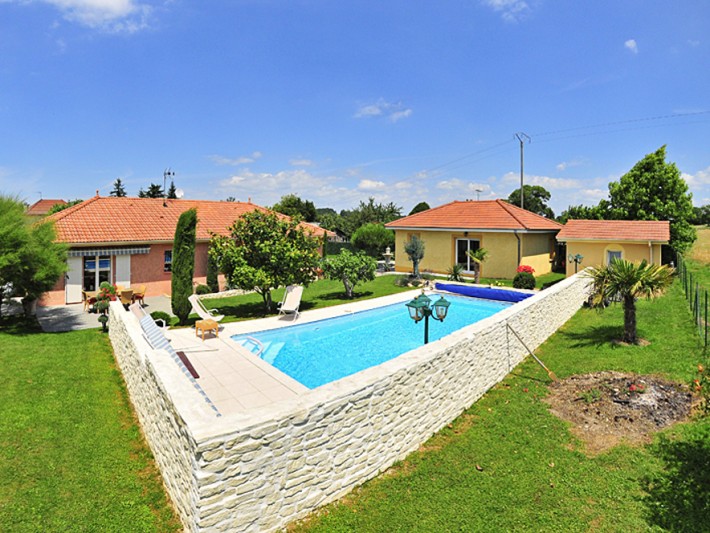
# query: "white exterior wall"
[[260, 470]]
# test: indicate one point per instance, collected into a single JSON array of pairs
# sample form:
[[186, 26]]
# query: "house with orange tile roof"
[[600, 241], [128, 241], [511, 235], [41, 207]]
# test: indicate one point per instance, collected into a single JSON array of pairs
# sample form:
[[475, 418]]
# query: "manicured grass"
[[321, 293], [507, 464], [71, 455]]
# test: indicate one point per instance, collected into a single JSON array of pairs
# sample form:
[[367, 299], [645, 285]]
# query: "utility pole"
[[522, 137], [478, 194]]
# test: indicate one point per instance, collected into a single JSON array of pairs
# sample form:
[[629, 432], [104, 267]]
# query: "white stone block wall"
[[261, 470]]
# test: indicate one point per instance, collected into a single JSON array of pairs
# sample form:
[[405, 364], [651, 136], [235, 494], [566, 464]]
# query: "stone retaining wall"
[[261, 470]]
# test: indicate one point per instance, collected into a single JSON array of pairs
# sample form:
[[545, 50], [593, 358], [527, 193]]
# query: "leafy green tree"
[[478, 257], [264, 251], [119, 191], [56, 208], [585, 212], [183, 265], [231, 199], [13, 235], [536, 198], [292, 206], [701, 215], [172, 191], [373, 239], [154, 191], [320, 211], [421, 206], [414, 248], [30, 261], [655, 190], [350, 268], [333, 222], [628, 281]]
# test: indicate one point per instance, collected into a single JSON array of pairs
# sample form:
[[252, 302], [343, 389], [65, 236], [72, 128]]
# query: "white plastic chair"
[[291, 301], [202, 311]]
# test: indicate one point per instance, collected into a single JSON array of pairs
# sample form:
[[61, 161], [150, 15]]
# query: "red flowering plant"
[[526, 268], [107, 293], [637, 387]]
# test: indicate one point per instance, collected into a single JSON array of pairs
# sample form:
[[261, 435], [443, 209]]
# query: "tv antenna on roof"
[[522, 137], [167, 172]]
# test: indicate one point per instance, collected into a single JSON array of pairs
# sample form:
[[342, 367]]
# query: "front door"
[[72, 286]]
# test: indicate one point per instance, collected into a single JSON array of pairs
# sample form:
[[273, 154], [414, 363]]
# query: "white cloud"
[[700, 178], [392, 111], [118, 16], [544, 181], [242, 160], [632, 46], [510, 10], [301, 163], [371, 185], [568, 164]]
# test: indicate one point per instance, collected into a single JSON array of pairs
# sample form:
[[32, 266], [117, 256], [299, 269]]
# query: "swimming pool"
[[326, 350]]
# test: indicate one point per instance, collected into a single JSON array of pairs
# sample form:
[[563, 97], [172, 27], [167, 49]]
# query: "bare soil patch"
[[607, 408]]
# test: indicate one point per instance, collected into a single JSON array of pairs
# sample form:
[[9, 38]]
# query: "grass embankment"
[[71, 455], [508, 464]]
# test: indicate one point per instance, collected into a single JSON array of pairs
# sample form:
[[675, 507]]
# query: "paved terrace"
[[235, 379]]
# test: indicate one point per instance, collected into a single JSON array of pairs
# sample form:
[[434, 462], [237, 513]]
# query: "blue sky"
[[337, 101]]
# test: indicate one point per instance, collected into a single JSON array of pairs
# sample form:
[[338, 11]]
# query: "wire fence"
[[697, 297]]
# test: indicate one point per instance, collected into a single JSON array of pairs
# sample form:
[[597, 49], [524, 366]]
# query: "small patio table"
[[206, 325]]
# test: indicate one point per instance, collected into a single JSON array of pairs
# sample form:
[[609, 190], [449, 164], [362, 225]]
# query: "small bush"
[[526, 268], [202, 289], [524, 280], [161, 315], [455, 273]]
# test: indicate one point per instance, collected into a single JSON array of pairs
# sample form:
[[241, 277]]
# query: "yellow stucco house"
[[600, 241], [512, 236]]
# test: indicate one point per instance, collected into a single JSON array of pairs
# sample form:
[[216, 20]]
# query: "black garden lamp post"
[[421, 307], [577, 258]]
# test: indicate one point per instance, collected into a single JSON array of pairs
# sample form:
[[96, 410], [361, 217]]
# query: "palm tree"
[[478, 257], [629, 281]]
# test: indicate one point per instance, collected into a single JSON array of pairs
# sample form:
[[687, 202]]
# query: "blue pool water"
[[320, 352]]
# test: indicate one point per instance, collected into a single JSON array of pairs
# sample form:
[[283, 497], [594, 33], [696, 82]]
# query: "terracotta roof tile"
[[477, 215], [145, 220], [616, 230], [42, 207]]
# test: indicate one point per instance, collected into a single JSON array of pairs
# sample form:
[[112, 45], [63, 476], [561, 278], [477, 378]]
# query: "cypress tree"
[[183, 264], [212, 273]]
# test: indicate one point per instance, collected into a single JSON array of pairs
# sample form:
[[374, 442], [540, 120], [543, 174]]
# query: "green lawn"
[[534, 475], [321, 293], [71, 455]]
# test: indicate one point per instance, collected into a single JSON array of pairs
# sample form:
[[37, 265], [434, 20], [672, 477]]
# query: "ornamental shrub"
[[202, 289], [526, 268], [161, 315], [373, 239], [524, 280]]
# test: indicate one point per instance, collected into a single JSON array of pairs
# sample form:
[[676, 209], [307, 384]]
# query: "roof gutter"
[[515, 232]]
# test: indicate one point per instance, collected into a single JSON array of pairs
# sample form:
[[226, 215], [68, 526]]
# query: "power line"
[[619, 122]]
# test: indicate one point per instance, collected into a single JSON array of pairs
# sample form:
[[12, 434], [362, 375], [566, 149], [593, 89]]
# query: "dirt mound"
[[607, 408]]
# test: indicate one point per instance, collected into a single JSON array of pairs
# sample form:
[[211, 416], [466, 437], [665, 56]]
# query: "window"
[[463, 246], [97, 269], [611, 255], [168, 262]]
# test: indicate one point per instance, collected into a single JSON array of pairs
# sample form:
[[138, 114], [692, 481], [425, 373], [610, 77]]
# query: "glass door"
[[97, 269], [463, 246]]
